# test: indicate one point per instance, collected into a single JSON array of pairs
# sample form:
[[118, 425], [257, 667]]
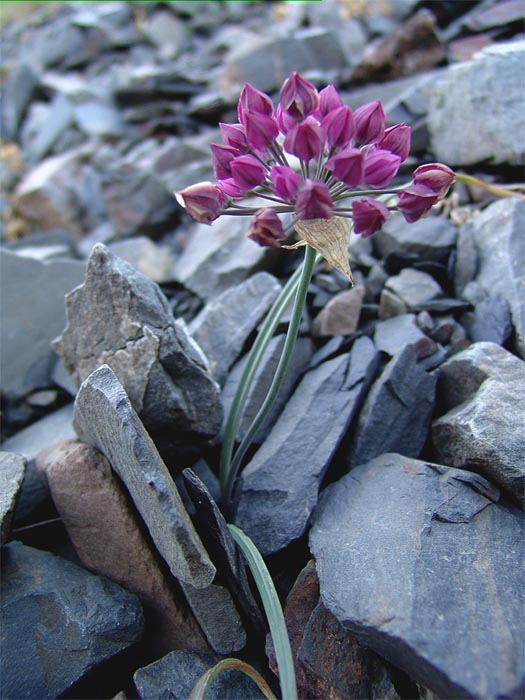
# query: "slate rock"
[[174, 676], [407, 554], [60, 117], [152, 259], [12, 470], [413, 287], [109, 541], [397, 412], [98, 119], [218, 257], [121, 318], [483, 389], [492, 320], [105, 419], [17, 91], [341, 315], [32, 310], [275, 496], [167, 32], [225, 323], [431, 238], [392, 335], [476, 112], [58, 622]]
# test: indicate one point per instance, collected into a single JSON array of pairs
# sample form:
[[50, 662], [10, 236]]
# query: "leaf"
[[331, 238], [201, 687]]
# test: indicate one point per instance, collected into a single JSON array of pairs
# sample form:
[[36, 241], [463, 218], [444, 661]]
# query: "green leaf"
[[202, 685]]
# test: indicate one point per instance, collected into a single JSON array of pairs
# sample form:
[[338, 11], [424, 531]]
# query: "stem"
[[289, 344]]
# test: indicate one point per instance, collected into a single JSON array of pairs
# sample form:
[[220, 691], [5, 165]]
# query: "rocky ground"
[[387, 493]]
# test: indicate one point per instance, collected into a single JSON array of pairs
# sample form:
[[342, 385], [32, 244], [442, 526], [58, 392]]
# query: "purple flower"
[[298, 97], [338, 126], [229, 187], [314, 201], [202, 201], [369, 123], [305, 140], [285, 182], [247, 172], [348, 166], [253, 100], [266, 228], [380, 167], [415, 202], [369, 215], [435, 176], [329, 100], [396, 139], [284, 120], [221, 158], [261, 129], [234, 135]]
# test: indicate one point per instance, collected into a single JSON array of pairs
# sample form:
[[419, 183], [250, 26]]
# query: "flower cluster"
[[307, 157]]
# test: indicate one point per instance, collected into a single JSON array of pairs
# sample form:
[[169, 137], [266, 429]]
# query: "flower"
[[305, 140], [202, 201], [435, 176], [380, 167], [221, 158], [266, 228], [329, 100], [314, 201], [396, 139], [348, 166], [338, 126], [298, 98], [261, 129], [234, 135], [369, 123], [253, 100], [416, 201], [369, 215], [285, 182], [247, 172]]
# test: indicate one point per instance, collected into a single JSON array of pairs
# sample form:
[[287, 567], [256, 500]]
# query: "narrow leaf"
[[202, 686]]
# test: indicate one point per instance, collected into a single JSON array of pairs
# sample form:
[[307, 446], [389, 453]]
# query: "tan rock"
[[105, 531], [341, 315]]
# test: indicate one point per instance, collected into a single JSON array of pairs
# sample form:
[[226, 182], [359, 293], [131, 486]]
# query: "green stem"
[[289, 344]]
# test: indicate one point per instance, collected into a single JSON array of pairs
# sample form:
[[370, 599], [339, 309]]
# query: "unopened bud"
[[266, 228]]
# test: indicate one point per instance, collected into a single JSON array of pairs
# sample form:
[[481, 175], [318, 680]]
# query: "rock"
[[476, 111], [394, 334], [492, 320], [17, 91], [155, 261], [483, 389], [105, 419], [121, 318], [174, 676], [167, 32], [32, 311], [406, 553], [12, 470], [59, 42], [498, 238], [218, 257], [58, 622], [341, 315], [222, 328], [413, 287], [98, 119], [397, 411], [109, 541], [60, 117], [275, 497]]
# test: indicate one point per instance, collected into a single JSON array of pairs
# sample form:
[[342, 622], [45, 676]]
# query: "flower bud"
[[314, 201], [338, 126], [329, 99], [369, 123], [305, 140], [285, 182], [230, 188], [254, 100], [415, 202], [266, 228], [369, 215], [284, 120], [261, 129], [221, 157], [396, 139], [298, 97], [380, 167], [435, 176], [247, 172], [348, 166], [202, 201], [234, 135]]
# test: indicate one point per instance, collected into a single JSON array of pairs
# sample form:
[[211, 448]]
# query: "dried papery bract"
[[331, 238]]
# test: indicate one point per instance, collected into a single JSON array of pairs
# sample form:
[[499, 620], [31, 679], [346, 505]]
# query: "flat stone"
[[224, 325], [33, 312], [413, 287], [341, 315], [58, 622], [275, 497], [397, 411], [169, 33], [174, 676], [60, 117], [12, 470], [105, 419], [406, 553], [17, 91], [394, 334], [161, 367], [155, 261], [103, 527], [98, 119], [476, 112], [492, 320], [484, 389], [218, 257]]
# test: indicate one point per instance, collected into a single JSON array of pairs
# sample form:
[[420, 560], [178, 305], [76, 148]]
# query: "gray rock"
[[58, 42], [58, 622], [394, 334], [466, 259], [477, 109], [341, 315], [60, 117], [498, 237], [218, 257], [174, 676], [276, 497], [32, 311], [484, 389], [12, 470], [224, 325], [397, 411], [406, 553], [98, 119], [413, 287], [168, 33], [105, 419], [155, 261], [121, 318], [492, 320], [17, 92]]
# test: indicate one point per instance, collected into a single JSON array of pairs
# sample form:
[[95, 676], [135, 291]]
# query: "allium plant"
[[329, 169]]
